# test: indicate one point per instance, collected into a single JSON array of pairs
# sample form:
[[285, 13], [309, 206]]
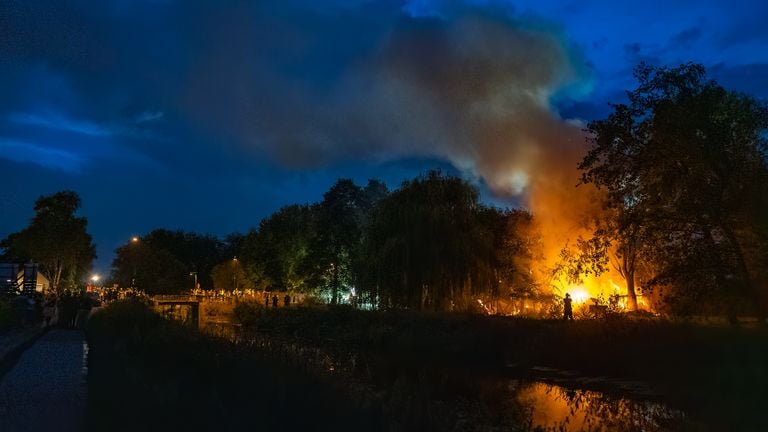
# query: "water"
[[538, 405], [550, 407]]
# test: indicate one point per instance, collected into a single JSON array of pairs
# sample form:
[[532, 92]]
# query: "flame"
[[580, 295], [616, 287]]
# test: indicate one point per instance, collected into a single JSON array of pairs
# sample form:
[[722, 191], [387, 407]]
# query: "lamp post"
[[135, 241], [234, 274], [95, 278], [194, 273]]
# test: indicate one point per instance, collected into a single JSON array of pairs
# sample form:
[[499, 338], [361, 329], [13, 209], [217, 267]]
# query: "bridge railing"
[[174, 298]]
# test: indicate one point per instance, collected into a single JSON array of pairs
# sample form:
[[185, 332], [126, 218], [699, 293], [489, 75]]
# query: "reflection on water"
[[540, 406], [224, 330], [554, 408]]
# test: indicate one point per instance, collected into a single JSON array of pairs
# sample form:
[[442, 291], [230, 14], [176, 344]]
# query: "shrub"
[[146, 372], [7, 314]]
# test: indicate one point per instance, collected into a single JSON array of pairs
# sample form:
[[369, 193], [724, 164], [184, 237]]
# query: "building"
[[22, 278]]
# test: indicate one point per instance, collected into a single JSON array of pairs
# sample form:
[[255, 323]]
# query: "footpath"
[[45, 389]]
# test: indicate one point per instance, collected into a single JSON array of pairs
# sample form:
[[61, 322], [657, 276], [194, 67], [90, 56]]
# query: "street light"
[[95, 278], [234, 273], [195, 275], [134, 240]]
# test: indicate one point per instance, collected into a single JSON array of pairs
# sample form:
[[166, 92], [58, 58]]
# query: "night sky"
[[208, 116]]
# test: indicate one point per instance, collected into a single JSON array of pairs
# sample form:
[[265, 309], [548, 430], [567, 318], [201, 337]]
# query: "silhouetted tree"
[[275, 253], [431, 245], [196, 252], [684, 170], [517, 251], [57, 239], [153, 270], [230, 275], [337, 232]]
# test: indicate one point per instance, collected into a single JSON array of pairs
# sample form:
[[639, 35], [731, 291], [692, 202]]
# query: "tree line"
[[429, 245]]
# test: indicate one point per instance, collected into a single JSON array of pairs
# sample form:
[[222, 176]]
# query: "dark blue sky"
[[208, 116]]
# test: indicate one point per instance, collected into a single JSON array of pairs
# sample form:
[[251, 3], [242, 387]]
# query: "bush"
[[146, 372], [7, 314]]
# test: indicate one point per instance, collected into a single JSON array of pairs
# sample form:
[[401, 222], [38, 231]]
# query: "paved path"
[[45, 390]]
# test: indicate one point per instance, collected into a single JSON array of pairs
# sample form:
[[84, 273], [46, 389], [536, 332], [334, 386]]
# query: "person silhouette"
[[287, 300], [274, 301], [567, 308]]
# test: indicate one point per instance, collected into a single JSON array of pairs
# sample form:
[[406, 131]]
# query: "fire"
[[580, 295]]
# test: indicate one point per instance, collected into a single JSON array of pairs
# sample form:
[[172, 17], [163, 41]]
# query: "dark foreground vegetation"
[[343, 369], [146, 373]]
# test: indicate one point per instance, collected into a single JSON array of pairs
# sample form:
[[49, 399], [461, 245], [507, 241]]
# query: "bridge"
[[182, 308]]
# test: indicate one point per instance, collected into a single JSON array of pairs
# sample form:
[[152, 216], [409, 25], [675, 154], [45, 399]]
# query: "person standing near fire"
[[567, 308]]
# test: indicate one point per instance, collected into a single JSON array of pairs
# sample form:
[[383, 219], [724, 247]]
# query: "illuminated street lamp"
[[134, 240], [234, 273], [94, 278]]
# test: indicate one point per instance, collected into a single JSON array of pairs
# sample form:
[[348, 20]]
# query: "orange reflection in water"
[[554, 408]]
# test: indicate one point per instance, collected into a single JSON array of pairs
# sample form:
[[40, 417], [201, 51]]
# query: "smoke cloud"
[[472, 86]]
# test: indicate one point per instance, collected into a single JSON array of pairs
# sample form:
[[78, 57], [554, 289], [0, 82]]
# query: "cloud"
[[685, 38], [149, 116], [48, 157], [304, 84], [61, 124], [464, 85]]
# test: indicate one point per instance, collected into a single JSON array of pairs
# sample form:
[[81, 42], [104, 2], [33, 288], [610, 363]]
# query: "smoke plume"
[[470, 86]]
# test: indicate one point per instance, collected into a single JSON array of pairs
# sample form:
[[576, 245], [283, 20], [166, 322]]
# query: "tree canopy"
[[57, 239], [275, 253], [431, 245], [163, 260], [684, 168]]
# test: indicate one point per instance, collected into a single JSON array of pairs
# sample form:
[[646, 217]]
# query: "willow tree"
[[430, 245], [57, 239], [684, 168]]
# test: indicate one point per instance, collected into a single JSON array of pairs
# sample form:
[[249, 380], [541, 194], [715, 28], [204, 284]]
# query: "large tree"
[[196, 252], [275, 253], [517, 251], [431, 245], [684, 167], [336, 234], [153, 270], [230, 275], [57, 239], [164, 260]]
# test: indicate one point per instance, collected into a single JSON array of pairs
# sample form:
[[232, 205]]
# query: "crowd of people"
[[67, 310]]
